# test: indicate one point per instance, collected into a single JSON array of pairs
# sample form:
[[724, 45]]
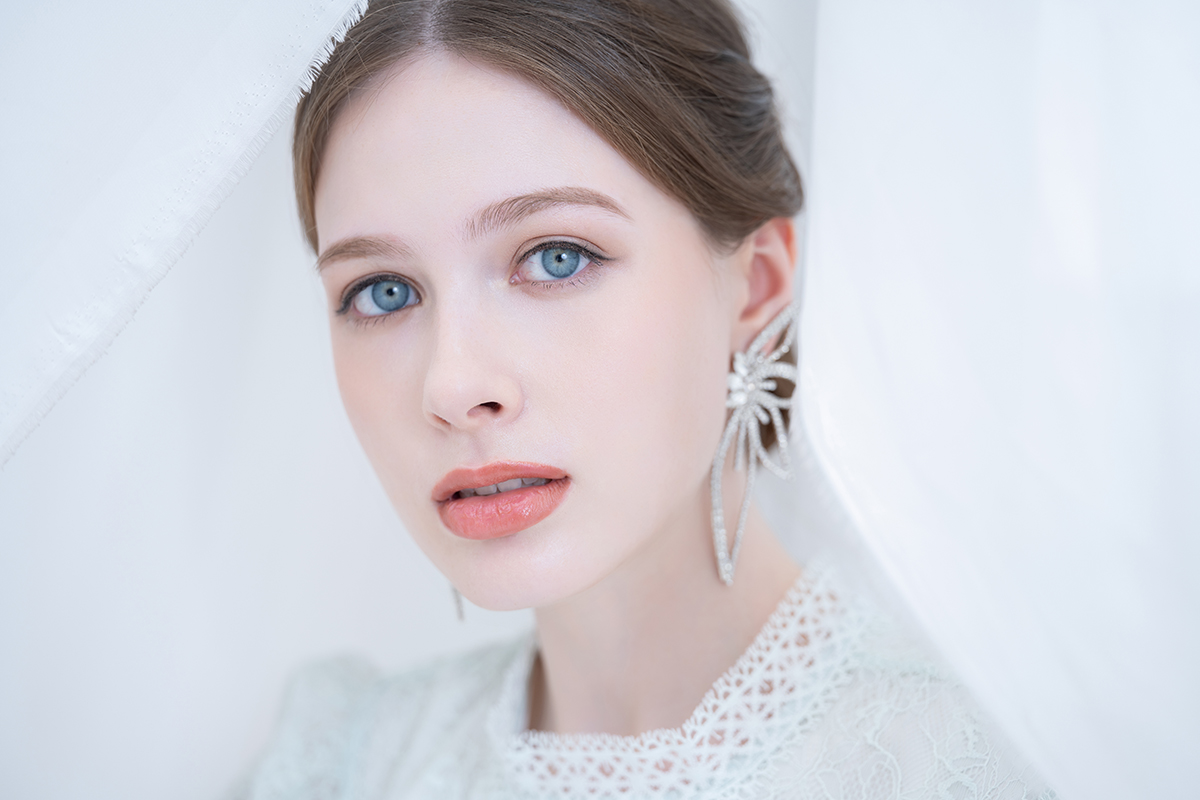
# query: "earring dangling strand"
[[753, 402], [458, 603]]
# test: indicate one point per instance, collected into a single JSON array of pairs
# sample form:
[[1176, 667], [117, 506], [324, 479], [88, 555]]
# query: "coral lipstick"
[[499, 499]]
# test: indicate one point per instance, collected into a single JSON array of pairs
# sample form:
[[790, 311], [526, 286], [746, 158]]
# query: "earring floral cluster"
[[753, 403]]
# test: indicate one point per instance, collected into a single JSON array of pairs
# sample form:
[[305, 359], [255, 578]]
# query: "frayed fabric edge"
[[155, 268]]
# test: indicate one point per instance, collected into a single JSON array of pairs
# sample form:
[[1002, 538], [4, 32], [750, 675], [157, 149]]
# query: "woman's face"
[[510, 299]]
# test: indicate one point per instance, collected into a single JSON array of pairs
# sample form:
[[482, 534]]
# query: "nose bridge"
[[469, 381]]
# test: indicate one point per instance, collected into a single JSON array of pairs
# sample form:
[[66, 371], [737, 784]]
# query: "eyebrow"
[[502, 214], [362, 247], [509, 212]]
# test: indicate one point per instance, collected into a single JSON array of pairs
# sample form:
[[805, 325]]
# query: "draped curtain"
[[1000, 356]]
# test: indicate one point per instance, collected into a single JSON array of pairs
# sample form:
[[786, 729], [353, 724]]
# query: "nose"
[[469, 383]]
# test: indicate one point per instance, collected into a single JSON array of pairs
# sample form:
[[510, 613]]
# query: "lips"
[[504, 512]]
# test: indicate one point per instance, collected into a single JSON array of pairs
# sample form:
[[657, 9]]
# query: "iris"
[[390, 295], [381, 297], [560, 262]]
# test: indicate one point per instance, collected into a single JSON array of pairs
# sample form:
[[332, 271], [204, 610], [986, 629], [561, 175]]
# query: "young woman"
[[556, 238]]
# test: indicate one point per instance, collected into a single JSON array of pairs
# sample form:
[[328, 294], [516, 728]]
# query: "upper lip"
[[472, 478]]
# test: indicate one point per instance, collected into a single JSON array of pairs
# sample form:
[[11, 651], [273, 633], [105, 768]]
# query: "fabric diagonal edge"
[[47, 368]]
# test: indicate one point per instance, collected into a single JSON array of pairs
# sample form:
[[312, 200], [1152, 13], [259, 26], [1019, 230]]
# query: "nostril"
[[491, 408]]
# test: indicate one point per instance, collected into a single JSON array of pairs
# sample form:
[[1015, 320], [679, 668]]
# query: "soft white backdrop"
[[1000, 354]]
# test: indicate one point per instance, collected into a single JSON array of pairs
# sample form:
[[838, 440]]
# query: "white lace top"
[[829, 702]]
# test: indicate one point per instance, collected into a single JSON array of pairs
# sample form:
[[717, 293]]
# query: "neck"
[[639, 650]]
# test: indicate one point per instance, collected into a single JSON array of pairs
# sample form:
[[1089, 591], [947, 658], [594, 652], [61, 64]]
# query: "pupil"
[[560, 262], [390, 295]]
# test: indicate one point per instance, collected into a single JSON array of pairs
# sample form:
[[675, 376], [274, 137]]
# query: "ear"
[[765, 269]]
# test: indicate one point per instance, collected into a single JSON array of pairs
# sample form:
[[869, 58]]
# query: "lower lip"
[[503, 513]]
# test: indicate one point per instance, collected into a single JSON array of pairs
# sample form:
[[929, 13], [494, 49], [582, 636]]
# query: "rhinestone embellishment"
[[753, 402]]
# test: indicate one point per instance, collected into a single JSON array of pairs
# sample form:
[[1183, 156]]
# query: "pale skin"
[[446, 176]]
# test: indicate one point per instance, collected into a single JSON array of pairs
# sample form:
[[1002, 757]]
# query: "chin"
[[537, 567]]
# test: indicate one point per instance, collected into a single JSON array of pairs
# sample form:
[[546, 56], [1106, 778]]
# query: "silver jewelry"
[[753, 402], [458, 604]]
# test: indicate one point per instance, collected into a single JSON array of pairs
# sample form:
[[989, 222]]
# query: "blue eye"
[[559, 262], [383, 297], [555, 263]]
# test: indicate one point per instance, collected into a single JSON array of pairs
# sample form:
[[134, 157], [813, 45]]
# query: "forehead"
[[441, 136]]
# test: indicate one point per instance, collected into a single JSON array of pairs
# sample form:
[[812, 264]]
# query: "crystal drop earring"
[[753, 401]]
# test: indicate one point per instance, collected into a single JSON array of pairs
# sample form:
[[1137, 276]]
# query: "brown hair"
[[667, 83]]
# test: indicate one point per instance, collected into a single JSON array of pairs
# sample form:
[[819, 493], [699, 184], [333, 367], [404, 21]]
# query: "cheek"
[[381, 395], [653, 392]]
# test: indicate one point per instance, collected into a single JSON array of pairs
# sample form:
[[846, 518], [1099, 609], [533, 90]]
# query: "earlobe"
[[768, 267]]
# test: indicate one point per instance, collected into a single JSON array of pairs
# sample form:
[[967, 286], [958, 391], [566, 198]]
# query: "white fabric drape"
[[999, 355], [126, 125]]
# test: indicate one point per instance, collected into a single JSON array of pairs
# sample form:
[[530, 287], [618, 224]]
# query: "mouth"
[[499, 499]]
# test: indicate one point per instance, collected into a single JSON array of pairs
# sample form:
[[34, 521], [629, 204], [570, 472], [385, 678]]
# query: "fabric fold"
[[151, 192]]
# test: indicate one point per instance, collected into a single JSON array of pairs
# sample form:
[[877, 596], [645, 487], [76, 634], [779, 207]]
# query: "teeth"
[[503, 486]]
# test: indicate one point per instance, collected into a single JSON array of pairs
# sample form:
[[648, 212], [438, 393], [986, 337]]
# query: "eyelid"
[[366, 281], [588, 252], [567, 244]]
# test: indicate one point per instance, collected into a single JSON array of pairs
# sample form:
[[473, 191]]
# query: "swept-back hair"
[[668, 83]]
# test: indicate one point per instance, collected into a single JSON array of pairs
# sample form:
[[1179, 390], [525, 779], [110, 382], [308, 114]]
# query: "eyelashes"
[[558, 263], [554, 264], [365, 293]]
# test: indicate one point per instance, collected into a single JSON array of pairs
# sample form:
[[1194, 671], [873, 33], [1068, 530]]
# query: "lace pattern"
[[790, 672], [830, 702]]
